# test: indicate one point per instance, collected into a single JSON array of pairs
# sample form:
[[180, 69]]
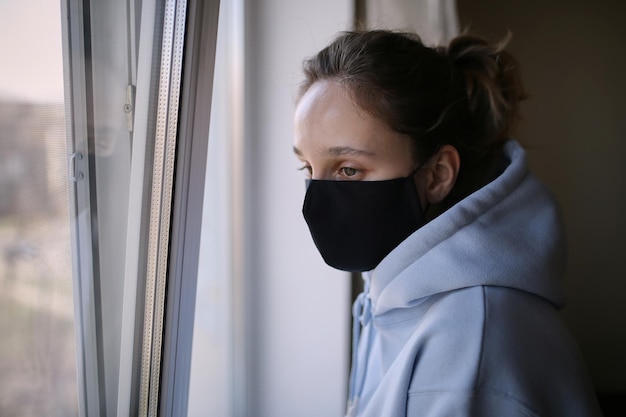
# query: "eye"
[[306, 168], [349, 171]]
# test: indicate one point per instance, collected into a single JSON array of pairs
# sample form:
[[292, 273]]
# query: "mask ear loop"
[[426, 205], [412, 174]]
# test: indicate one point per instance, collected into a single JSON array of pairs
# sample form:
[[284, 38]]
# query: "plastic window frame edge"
[[147, 54], [161, 204], [242, 380], [91, 399], [196, 98]]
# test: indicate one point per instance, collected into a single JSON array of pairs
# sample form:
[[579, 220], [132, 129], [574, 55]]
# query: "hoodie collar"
[[507, 233]]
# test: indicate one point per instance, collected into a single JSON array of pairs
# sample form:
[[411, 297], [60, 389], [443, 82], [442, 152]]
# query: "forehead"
[[323, 100], [326, 116]]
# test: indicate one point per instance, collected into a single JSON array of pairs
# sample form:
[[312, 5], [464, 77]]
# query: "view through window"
[[37, 346]]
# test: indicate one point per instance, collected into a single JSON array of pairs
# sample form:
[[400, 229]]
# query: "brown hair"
[[465, 95]]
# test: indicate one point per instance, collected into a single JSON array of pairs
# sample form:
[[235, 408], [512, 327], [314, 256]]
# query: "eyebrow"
[[341, 150], [347, 150]]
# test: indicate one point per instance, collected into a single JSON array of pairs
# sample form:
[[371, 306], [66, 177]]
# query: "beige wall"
[[573, 61]]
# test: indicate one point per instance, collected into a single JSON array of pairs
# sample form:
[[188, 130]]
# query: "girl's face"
[[336, 140]]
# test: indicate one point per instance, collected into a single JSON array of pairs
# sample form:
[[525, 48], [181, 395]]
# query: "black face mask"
[[355, 224]]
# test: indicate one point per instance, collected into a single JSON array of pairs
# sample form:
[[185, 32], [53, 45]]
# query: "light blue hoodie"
[[461, 318]]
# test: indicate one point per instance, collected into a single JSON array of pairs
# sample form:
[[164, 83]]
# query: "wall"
[[572, 59], [300, 310]]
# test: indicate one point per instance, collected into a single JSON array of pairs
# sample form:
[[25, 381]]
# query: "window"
[[89, 112], [37, 352]]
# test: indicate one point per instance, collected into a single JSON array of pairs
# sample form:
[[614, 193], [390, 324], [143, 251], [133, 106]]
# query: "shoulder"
[[528, 349], [448, 371], [484, 330], [492, 348]]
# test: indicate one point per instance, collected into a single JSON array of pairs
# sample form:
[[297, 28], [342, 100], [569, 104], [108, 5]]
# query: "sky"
[[31, 57]]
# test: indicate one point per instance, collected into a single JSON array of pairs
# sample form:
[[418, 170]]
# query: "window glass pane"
[[109, 155], [37, 348]]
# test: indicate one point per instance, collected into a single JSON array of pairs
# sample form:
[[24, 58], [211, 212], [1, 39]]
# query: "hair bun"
[[492, 80]]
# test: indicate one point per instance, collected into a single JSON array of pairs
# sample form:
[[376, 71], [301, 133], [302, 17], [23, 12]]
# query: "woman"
[[414, 180]]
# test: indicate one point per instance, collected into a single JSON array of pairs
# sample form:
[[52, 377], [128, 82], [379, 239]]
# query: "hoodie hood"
[[508, 234]]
